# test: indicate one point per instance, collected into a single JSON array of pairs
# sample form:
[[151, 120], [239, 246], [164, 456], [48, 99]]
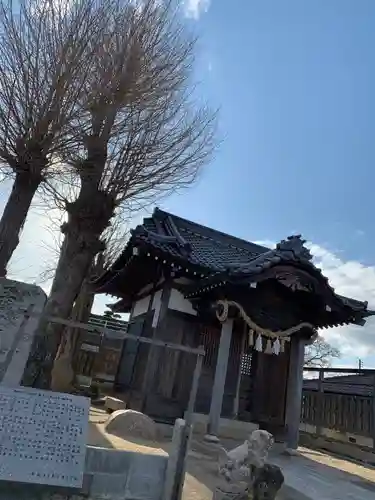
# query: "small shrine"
[[252, 308]]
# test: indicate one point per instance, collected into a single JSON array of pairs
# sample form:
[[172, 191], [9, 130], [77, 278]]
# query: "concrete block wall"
[[110, 474], [124, 474], [178, 430]]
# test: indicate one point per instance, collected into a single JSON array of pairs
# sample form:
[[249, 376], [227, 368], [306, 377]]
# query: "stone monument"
[[244, 473], [42, 437], [21, 305], [42, 433]]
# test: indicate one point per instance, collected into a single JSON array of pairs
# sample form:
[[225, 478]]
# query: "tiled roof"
[[201, 246], [216, 254]]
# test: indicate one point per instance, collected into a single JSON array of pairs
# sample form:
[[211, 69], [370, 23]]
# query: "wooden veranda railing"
[[339, 399]]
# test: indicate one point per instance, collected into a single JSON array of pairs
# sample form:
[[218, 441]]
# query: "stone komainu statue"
[[244, 473]]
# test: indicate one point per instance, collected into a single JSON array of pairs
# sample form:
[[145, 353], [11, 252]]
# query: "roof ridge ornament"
[[295, 244], [146, 233]]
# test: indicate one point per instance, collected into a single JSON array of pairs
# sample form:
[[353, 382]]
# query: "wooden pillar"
[[220, 376], [294, 391]]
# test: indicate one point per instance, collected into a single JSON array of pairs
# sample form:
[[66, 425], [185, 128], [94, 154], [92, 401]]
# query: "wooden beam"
[[118, 334]]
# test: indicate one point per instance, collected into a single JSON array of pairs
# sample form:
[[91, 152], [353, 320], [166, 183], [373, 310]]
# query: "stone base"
[[210, 438], [290, 452], [229, 429]]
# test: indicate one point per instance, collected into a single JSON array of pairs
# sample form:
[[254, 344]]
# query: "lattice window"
[[246, 363]]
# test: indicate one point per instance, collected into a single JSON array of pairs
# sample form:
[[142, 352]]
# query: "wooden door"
[[269, 387], [127, 362]]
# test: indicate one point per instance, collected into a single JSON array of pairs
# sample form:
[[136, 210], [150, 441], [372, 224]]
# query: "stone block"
[[178, 430], [124, 474], [114, 404], [131, 424], [20, 307]]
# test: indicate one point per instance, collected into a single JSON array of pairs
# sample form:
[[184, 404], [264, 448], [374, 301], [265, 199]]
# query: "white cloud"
[[195, 8], [354, 280]]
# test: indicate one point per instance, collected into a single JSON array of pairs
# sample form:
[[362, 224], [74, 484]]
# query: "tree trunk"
[[88, 216], [73, 266], [63, 371], [14, 216]]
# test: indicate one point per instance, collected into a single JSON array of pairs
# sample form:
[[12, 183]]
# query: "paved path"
[[321, 477]]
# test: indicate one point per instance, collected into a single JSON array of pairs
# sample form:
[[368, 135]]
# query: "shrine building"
[[252, 308]]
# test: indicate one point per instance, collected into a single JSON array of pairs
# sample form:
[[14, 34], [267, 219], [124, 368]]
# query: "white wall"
[[141, 306], [177, 302], [156, 303]]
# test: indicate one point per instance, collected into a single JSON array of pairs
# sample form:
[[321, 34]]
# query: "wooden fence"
[[98, 352], [344, 403]]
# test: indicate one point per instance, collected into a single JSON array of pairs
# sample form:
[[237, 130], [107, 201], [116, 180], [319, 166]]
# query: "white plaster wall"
[[141, 306], [156, 306], [177, 302], [156, 303]]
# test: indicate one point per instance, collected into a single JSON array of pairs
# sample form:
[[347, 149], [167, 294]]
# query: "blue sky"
[[295, 81]]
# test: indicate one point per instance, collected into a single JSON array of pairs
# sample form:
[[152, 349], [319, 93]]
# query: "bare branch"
[[44, 60], [45, 54], [139, 133]]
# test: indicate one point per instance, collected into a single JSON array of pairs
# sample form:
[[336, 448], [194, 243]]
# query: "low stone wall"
[[109, 473], [344, 449], [343, 437]]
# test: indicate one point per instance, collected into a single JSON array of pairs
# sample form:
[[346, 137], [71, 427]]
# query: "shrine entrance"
[[255, 384]]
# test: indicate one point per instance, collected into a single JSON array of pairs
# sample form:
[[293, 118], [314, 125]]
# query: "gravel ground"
[[201, 465], [200, 476]]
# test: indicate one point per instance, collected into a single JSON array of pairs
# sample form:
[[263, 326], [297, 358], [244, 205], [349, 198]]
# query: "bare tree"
[[140, 135], [320, 354], [44, 61]]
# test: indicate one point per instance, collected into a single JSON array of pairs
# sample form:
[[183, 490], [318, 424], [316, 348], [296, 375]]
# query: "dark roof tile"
[[216, 253], [207, 247]]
